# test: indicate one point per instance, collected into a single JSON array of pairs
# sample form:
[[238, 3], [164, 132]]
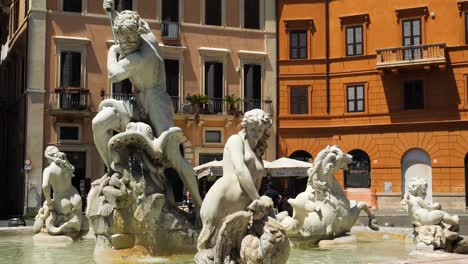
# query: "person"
[[272, 193], [136, 57], [243, 171]]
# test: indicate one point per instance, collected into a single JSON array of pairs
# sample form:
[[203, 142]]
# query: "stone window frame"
[[252, 57], [217, 129], [298, 25], [71, 44], [223, 14], [261, 15], [84, 7], [213, 55], [66, 141], [421, 13], [309, 101], [181, 11]]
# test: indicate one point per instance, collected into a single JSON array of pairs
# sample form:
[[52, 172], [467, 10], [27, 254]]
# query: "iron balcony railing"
[[70, 99], [170, 30], [418, 54], [217, 106]]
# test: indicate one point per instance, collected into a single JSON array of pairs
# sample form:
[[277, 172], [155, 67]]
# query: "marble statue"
[[433, 228], [239, 226], [328, 213], [62, 212], [131, 208]]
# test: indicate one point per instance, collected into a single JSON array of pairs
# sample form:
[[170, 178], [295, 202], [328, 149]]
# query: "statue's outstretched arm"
[[236, 150], [123, 69]]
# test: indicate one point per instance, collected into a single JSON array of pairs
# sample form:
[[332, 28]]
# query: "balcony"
[[70, 100], [420, 56], [217, 106], [170, 31]]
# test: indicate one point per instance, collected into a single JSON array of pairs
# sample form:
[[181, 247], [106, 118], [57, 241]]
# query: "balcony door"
[[170, 18], [412, 39], [214, 85], [252, 86], [172, 81], [70, 80]]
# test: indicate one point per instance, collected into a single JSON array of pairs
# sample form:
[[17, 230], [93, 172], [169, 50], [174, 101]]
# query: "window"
[[72, 6], [354, 41], [252, 14], [355, 98], [213, 12], [466, 28], [207, 157], [358, 173], [214, 85], [252, 86], [412, 37], [70, 69], [122, 90], [121, 5], [68, 133], [414, 94], [298, 44], [172, 81], [299, 100], [213, 136], [170, 10]]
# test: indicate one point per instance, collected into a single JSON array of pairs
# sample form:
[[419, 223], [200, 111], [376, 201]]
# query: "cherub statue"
[[61, 214], [421, 212]]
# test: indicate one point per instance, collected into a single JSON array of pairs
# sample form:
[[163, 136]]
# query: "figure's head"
[[256, 124], [418, 187], [128, 28], [53, 154], [329, 161], [261, 207]]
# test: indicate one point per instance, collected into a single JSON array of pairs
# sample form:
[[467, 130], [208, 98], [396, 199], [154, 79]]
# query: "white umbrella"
[[214, 168], [286, 167], [214, 163]]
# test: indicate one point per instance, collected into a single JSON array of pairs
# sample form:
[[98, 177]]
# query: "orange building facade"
[[387, 82]]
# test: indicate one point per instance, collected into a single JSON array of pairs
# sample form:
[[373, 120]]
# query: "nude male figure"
[[136, 57]]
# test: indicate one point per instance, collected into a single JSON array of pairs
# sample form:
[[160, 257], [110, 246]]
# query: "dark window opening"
[[354, 41], [72, 6], [299, 100], [301, 155], [213, 12], [176, 184], [414, 94], [298, 44], [214, 85], [355, 98], [252, 14], [252, 87], [69, 133], [70, 69], [358, 174], [172, 81], [121, 5], [213, 136], [411, 38], [80, 181], [170, 10], [207, 157], [122, 90]]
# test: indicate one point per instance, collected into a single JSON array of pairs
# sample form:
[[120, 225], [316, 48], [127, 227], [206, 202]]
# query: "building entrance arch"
[[416, 162]]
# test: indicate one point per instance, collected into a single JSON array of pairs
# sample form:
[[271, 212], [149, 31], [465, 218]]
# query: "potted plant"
[[197, 101], [231, 101]]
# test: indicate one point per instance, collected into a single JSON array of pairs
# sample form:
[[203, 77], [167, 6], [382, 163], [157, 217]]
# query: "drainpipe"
[[327, 52]]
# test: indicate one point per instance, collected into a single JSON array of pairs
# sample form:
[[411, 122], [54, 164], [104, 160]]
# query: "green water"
[[22, 249]]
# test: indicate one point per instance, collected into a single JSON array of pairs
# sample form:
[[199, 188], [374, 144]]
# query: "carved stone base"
[[439, 237]]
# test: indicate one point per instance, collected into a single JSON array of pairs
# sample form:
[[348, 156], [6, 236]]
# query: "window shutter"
[[358, 32]]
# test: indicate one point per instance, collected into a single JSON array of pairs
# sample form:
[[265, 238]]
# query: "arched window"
[[416, 163], [358, 174], [301, 155]]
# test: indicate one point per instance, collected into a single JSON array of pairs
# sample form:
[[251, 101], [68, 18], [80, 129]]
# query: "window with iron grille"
[[354, 41], [299, 100], [414, 94], [172, 81], [121, 5], [213, 12], [355, 98], [298, 44], [72, 6], [252, 14], [70, 69]]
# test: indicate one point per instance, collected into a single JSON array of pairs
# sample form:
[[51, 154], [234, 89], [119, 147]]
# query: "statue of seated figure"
[[61, 214], [421, 212]]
